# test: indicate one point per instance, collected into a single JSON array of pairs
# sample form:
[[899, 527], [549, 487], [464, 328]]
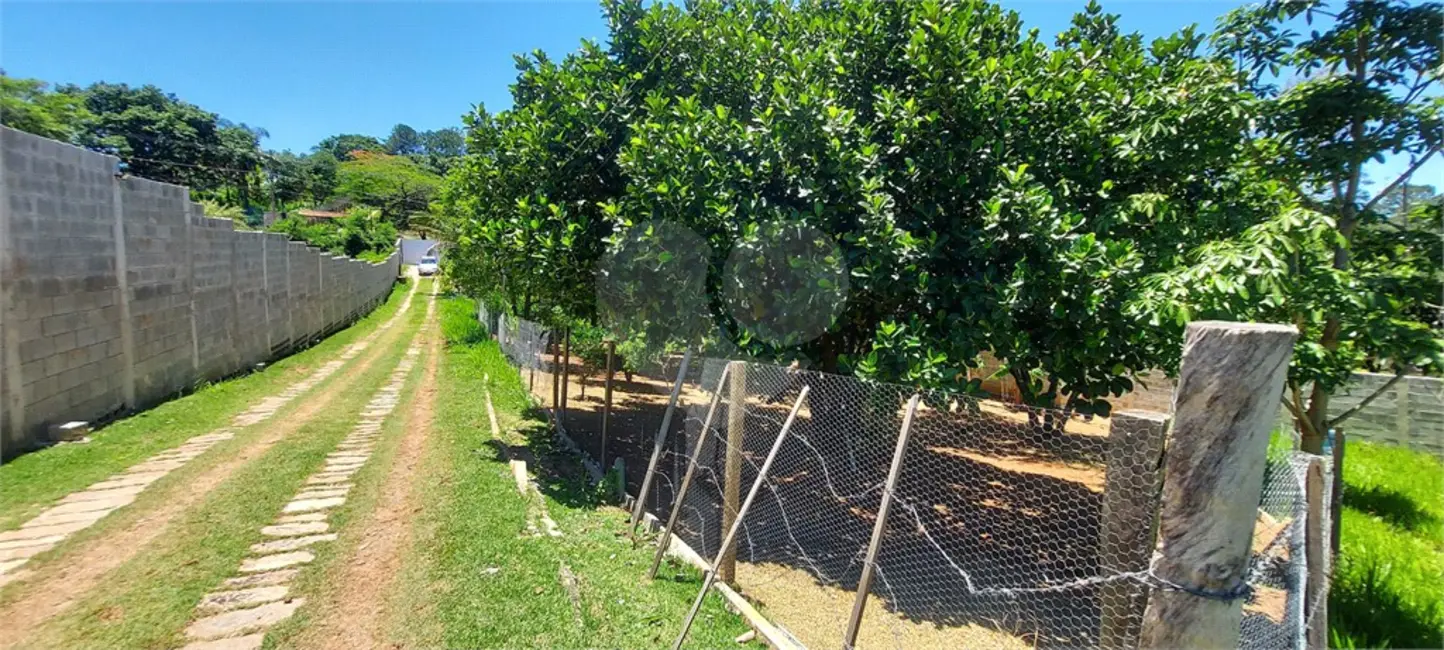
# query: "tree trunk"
[[1311, 437]]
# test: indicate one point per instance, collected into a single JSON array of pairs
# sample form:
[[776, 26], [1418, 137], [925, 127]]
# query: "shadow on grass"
[[1365, 612], [1393, 507], [559, 474]]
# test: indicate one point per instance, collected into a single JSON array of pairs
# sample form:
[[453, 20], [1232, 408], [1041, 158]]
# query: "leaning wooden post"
[[658, 441], [1336, 496], [731, 538], [1223, 409], [864, 583], [1129, 523], [1316, 552], [556, 372], [732, 466], [566, 368], [607, 399], [692, 461]]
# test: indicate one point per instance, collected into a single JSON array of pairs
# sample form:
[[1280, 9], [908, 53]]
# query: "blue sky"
[[304, 71]]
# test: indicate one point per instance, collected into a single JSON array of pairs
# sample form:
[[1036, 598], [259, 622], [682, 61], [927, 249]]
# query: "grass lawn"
[[35, 480], [1388, 588], [476, 578]]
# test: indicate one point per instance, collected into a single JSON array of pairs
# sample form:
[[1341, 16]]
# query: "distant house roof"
[[319, 214]]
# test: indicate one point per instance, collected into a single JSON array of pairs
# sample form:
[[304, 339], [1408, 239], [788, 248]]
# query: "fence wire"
[[1011, 526]]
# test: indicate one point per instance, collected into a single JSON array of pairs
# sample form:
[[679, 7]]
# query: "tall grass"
[[1388, 588]]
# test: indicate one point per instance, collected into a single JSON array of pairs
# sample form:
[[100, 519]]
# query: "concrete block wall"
[[277, 293], [59, 282], [1408, 414], [248, 282], [159, 283], [213, 297], [117, 293]]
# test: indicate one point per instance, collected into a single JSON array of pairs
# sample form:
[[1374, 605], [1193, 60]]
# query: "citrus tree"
[[984, 188]]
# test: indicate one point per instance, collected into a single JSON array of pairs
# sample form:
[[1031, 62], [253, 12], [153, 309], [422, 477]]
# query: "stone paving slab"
[[225, 601], [273, 562], [35, 541], [327, 480], [305, 516], [248, 642], [242, 621], [292, 530], [291, 543], [7, 565], [127, 480], [277, 577], [324, 493], [93, 494], [24, 552], [86, 518], [309, 505], [44, 531], [108, 503]]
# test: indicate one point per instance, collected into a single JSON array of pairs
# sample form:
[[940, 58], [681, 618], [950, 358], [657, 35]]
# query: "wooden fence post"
[[1224, 407], [671, 526], [1129, 521], [556, 373], [1336, 497], [607, 399], [730, 540], [658, 441], [864, 583], [1316, 551], [732, 466], [566, 369]]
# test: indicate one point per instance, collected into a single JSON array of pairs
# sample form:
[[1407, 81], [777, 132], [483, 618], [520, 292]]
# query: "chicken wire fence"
[[1010, 526]]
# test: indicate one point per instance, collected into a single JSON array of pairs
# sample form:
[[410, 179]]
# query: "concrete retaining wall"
[[116, 293]]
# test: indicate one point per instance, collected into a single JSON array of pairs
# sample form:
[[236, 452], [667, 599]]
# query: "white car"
[[427, 266]]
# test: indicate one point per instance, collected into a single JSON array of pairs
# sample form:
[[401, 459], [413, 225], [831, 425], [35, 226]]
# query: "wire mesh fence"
[[1010, 526]]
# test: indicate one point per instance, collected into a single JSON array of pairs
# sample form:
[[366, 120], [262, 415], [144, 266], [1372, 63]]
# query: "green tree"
[[157, 135], [985, 191], [321, 170], [404, 141], [287, 177], [1401, 200], [395, 185], [341, 146], [361, 233], [1326, 259], [447, 143], [29, 105]]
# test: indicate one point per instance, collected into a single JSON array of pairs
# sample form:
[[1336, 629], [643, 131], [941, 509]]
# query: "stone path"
[[79, 510], [236, 616]]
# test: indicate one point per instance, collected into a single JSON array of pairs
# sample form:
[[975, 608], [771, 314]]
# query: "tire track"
[[355, 618], [236, 616], [60, 584]]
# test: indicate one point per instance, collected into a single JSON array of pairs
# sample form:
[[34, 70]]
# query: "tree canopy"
[[1354, 273], [1066, 205], [395, 185], [29, 105], [985, 190]]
